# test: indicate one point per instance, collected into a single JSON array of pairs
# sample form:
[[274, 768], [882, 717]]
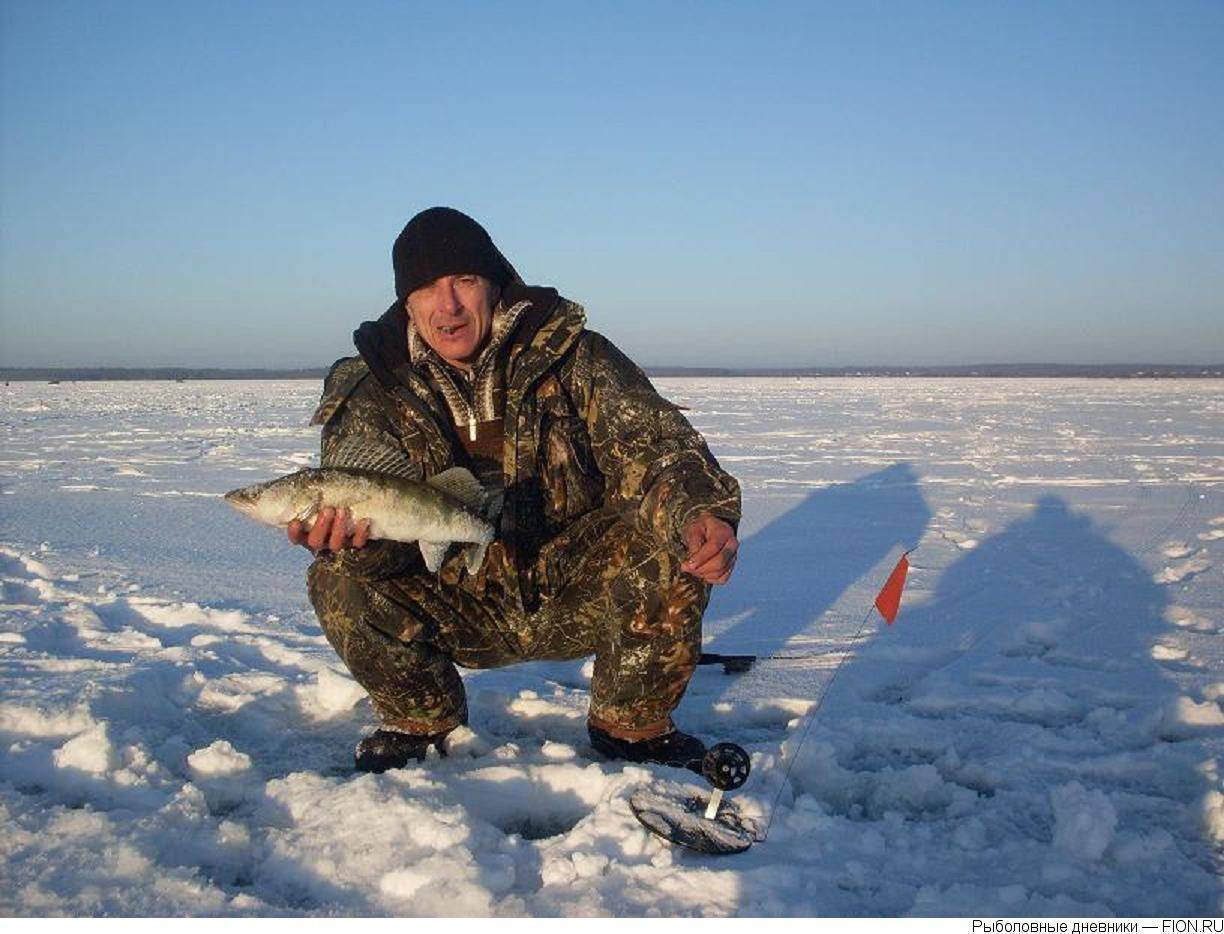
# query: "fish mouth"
[[243, 500]]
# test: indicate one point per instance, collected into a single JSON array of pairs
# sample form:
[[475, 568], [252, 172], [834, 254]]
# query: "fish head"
[[278, 501], [246, 499]]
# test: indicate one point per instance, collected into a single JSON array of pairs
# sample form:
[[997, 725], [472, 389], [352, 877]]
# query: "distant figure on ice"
[[612, 517]]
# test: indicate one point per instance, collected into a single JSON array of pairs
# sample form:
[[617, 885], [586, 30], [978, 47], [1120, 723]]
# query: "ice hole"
[[542, 827], [536, 803]]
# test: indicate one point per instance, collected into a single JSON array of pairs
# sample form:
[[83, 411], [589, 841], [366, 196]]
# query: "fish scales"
[[434, 514]]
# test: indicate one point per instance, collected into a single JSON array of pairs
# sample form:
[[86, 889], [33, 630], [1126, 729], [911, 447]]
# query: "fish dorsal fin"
[[460, 483], [360, 454], [433, 553]]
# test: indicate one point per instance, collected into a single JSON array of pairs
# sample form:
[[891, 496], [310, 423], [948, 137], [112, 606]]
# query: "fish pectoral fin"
[[306, 512], [433, 553], [462, 484], [310, 510]]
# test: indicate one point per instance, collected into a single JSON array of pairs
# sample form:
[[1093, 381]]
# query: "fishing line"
[[1186, 513], [1189, 509], [811, 716]]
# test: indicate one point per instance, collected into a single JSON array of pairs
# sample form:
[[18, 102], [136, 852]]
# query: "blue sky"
[[726, 184]]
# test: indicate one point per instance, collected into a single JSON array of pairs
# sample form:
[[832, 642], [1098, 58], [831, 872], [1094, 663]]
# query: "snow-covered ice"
[[1039, 733]]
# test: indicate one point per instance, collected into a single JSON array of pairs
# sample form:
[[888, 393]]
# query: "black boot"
[[387, 749], [676, 748]]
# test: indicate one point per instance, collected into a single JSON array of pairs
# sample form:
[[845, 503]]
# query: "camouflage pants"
[[627, 603]]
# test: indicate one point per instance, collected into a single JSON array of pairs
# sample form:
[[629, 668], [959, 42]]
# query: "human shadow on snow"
[[1030, 669], [795, 569]]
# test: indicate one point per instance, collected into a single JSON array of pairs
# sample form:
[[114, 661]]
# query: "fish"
[[435, 514]]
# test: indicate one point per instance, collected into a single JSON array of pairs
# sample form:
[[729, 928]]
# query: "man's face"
[[454, 314]]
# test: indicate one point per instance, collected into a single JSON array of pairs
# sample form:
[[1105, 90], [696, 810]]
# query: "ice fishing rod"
[[739, 664]]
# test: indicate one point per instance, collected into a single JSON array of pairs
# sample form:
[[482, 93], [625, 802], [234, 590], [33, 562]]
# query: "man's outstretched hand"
[[332, 529], [712, 547]]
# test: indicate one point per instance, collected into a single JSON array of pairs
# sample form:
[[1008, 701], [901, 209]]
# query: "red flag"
[[888, 600]]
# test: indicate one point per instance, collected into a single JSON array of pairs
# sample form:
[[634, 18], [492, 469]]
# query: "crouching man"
[[613, 519]]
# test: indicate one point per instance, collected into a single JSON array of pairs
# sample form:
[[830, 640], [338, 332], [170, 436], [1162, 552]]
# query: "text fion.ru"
[[1166, 926]]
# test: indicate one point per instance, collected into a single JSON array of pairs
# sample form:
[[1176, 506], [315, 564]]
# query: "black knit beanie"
[[444, 242]]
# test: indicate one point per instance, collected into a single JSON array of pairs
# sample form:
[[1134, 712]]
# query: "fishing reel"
[[693, 821], [726, 766]]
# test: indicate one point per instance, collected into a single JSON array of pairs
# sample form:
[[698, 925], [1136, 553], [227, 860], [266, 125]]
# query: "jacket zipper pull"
[[471, 425]]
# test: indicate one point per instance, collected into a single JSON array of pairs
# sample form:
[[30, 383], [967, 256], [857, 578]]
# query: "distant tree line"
[[1064, 370], [152, 373], [1098, 370]]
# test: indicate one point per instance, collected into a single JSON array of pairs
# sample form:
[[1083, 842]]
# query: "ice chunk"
[[1084, 821], [1167, 652], [91, 751], [30, 721], [217, 760], [1183, 717], [552, 750], [1181, 570], [1213, 815]]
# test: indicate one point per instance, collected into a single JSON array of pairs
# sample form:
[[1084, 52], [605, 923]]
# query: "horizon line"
[[95, 373]]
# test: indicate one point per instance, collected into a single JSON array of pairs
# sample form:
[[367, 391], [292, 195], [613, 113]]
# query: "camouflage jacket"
[[587, 440]]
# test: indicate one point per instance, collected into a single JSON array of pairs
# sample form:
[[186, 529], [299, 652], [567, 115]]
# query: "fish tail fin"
[[474, 555]]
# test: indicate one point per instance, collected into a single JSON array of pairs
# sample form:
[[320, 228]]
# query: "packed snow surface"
[[1038, 734]]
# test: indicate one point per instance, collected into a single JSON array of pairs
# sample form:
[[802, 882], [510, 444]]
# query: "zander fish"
[[434, 514]]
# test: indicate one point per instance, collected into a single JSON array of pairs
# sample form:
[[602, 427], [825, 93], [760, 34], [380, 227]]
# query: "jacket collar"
[[505, 317], [542, 327]]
